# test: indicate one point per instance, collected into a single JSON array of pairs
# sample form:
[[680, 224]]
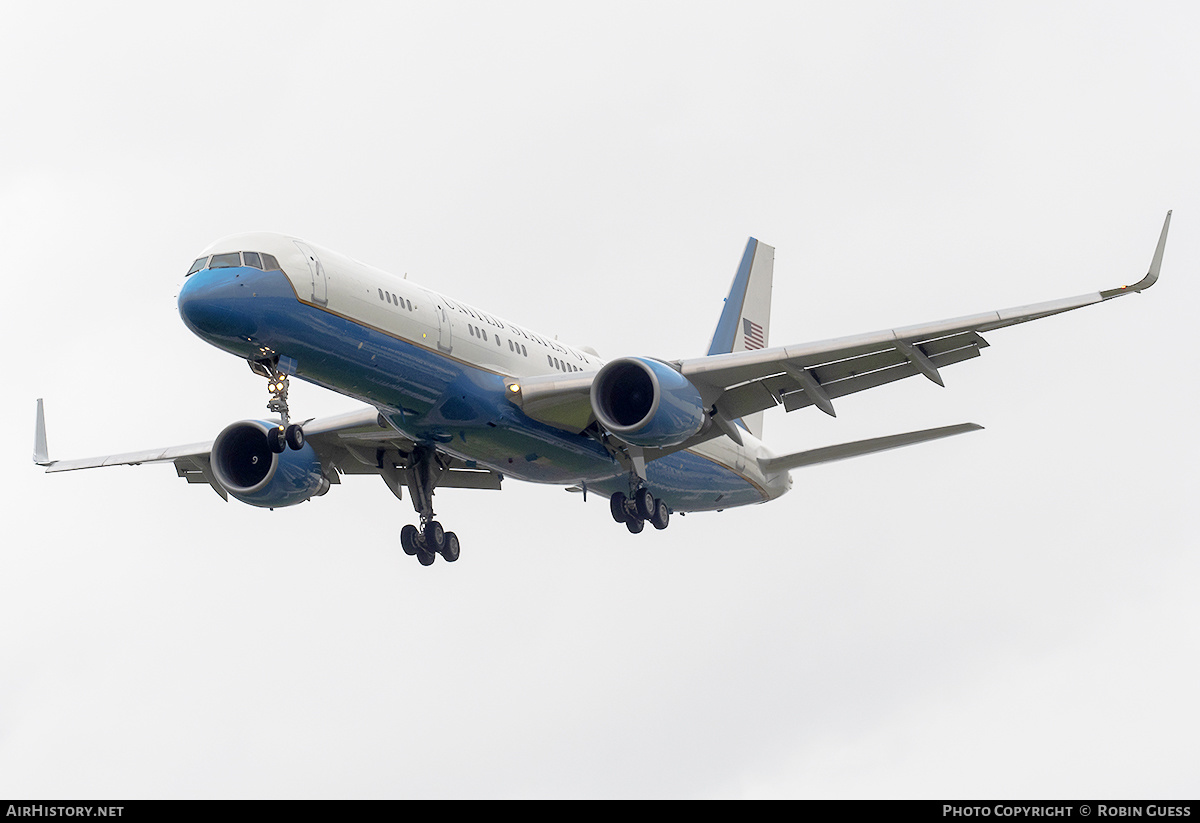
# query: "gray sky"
[[1006, 614]]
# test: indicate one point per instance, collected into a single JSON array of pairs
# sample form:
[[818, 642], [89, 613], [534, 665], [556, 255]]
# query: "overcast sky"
[[1011, 613]]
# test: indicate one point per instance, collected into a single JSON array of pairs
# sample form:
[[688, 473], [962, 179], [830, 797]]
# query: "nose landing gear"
[[286, 435], [290, 437]]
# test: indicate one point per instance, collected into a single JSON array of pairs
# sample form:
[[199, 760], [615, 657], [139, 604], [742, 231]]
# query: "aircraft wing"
[[815, 374], [350, 443]]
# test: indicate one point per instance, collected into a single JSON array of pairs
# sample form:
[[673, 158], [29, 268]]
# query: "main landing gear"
[[428, 542], [640, 508], [287, 435], [429, 539]]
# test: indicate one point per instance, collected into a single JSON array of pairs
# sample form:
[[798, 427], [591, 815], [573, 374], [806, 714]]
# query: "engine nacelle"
[[247, 468], [646, 403]]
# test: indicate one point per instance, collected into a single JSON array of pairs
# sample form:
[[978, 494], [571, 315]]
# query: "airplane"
[[457, 397]]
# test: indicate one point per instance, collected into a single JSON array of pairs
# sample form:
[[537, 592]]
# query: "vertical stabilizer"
[[746, 319], [41, 454]]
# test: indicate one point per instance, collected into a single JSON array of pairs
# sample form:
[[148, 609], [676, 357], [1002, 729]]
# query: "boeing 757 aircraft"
[[457, 397]]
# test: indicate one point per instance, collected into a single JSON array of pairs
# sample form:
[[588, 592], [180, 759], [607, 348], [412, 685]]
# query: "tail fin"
[[41, 454], [746, 319]]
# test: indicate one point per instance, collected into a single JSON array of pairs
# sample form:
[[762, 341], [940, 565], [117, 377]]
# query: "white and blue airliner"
[[458, 397]]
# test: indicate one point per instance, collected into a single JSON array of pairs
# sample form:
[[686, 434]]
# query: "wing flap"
[[745, 399], [854, 383], [470, 479], [198, 469]]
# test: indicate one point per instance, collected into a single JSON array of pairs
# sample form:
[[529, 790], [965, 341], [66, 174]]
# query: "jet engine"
[[646, 403], [247, 468]]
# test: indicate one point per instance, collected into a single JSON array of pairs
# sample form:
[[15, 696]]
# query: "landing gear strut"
[[286, 435], [429, 539], [640, 506]]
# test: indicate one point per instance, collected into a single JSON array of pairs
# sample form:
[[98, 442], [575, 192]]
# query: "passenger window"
[[252, 259], [197, 266], [270, 263], [226, 261], [381, 294]]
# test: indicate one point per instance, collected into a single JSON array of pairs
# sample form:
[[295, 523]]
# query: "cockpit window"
[[233, 259], [226, 261]]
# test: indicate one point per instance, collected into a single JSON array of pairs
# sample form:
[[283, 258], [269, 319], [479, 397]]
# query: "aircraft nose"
[[211, 304]]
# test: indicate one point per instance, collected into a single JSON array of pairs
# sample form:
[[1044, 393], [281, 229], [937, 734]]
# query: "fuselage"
[[435, 367]]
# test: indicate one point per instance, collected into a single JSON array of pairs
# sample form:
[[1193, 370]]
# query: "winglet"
[[41, 454], [1155, 265]]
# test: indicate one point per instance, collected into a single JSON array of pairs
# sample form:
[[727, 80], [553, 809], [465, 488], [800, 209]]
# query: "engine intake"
[[246, 467], [646, 403]]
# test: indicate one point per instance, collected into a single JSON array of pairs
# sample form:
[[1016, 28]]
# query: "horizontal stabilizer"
[[841, 451]]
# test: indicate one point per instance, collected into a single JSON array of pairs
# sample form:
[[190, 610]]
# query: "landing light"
[[514, 387]]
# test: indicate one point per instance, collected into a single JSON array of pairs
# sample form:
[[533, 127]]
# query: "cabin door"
[[320, 289]]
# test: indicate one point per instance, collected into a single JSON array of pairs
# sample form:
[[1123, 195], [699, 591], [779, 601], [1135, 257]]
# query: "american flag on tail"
[[754, 334]]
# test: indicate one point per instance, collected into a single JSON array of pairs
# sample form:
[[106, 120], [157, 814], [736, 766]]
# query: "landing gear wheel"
[[435, 537], [425, 558], [450, 549], [616, 505], [643, 501], [275, 440], [635, 525], [409, 537], [661, 515], [293, 435]]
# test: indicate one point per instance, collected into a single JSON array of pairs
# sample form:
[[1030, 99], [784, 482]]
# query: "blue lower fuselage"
[[429, 395]]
